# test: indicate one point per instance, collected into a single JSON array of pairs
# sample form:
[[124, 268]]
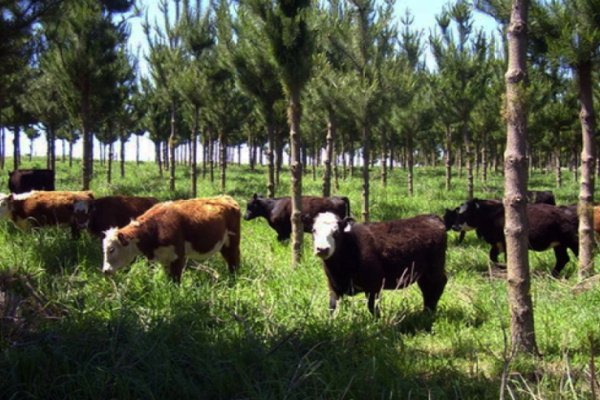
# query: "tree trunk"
[[558, 172], [122, 156], [158, 156], [211, 153], [515, 185], [110, 160], [64, 150], [2, 146], [279, 158], [271, 158], [469, 157], [296, 172], [51, 154], [194, 151], [410, 163], [365, 172], [383, 161], [16, 148], [484, 159], [137, 149], [31, 149], [88, 146], [223, 161], [329, 142], [448, 158], [588, 159], [71, 155], [172, 144]]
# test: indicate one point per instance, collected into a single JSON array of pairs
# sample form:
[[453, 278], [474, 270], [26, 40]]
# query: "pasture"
[[70, 332]]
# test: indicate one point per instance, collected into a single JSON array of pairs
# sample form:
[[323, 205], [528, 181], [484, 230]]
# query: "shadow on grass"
[[191, 355]]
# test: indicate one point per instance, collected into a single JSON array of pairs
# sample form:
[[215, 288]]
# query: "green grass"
[[267, 332]]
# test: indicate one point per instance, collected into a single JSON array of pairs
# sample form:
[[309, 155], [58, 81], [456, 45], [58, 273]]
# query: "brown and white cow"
[[549, 227], [103, 213], [172, 231], [384, 255], [278, 211], [41, 208]]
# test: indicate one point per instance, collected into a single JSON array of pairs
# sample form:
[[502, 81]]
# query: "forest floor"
[[69, 332]]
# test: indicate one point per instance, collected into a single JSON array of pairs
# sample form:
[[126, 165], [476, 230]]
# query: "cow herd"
[[357, 257]]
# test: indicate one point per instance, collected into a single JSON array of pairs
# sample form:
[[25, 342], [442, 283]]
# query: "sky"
[[424, 12]]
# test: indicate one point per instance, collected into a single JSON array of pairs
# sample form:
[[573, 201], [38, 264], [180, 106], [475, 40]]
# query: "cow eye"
[[111, 250]]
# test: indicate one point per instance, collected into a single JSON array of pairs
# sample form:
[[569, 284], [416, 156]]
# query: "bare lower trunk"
[[279, 160], [558, 171], [223, 161], [87, 148], [383, 161], [484, 160], [172, 144], [296, 170], [588, 159], [410, 162], [16, 148], [122, 156], [515, 185], [51, 162], [194, 151], [30, 150], [271, 159], [329, 141], [448, 159], [469, 157], [2, 146], [71, 155], [110, 160], [137, 149], [211, 158], [158, 157], [365, 173]]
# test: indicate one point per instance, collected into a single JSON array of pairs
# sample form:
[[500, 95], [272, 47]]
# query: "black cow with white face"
[[549, 227], [278, 211], [385, 255]]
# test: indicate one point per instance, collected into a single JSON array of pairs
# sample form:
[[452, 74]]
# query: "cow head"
[[450, 218], [327, 231], [466, 212], [82, 210], [255, 208], [5, 204], [119, 250]]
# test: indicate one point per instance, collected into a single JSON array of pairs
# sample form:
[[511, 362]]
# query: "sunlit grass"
[[267, 332]]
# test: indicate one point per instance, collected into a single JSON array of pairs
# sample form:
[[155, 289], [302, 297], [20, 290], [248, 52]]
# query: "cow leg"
[[432, 288], [560, 252], [75, 232], [176, 269], [333, 299], [373, 308], [461, 236], [494, 254], [231, 254]]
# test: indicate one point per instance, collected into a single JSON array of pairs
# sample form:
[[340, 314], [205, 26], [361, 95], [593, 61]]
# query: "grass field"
[[267, 333]]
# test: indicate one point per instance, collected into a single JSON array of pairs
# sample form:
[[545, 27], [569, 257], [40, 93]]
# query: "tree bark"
[[51, 157], [31, 149], [194, 151], [271, 158], [110, 160], [469, 157], [2, 146], [16, 148], [515, 185], [365, 172], [588, 159], [158, 157], [410, 163], [329, 142], [172, 144], [383, 160], [223, 161], [122, 155], [137, 149], [294, 113], [448, 158], [71, 154], [558, 171]]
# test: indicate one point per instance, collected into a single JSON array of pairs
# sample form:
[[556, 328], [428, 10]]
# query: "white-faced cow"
[[26, 180], [278, 211], [385, 255], [549, 227], [41, 208], [172, 231], [101, 214]]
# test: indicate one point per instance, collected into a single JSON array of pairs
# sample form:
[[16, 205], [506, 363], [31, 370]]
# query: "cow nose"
[[321, 251], [107, 271], [457, 227], [246, 216]]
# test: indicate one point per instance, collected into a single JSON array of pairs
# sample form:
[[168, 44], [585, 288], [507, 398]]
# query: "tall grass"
[[266, 333]]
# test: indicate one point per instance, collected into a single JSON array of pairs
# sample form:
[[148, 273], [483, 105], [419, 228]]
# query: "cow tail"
[[347, 201]]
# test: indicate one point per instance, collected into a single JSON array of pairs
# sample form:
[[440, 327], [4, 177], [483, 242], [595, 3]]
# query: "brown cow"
[[171, 231], [41, 208], [383, 255], [101, 214]]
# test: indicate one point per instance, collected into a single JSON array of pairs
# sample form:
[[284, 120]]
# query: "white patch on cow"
[[193, 254], [24, 196], [115, 254], [324, 228], [81, 211], [135, 223]]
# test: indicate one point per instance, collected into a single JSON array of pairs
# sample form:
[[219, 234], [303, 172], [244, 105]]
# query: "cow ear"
[[255, 196], [346, 224], [122, 239]]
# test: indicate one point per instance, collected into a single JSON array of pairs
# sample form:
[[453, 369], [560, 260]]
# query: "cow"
[[382, 255], [173, 230], [99, 215], [533, 196], [42, 208], [278, 211], [549, 227], [26, 180]]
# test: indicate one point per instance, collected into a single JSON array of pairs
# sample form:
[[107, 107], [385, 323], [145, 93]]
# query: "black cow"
[[26, 180], [278, 211], [533, 197], [384, 255], [549, 226]]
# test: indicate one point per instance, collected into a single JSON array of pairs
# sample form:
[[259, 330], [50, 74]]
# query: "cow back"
[[26, 180], [117, 211]]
